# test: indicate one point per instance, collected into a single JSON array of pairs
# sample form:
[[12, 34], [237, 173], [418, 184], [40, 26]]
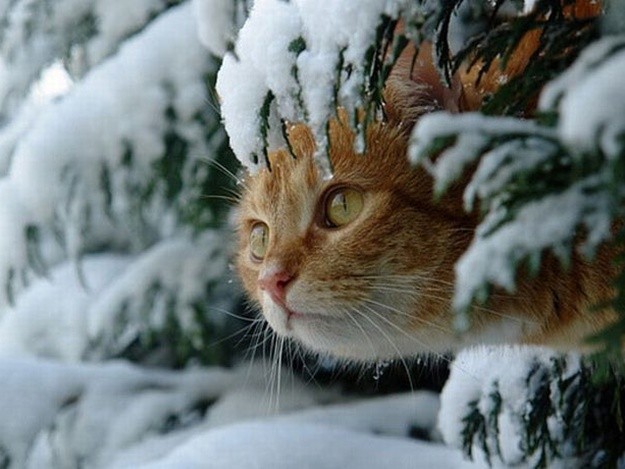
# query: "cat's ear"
[[414, 87]]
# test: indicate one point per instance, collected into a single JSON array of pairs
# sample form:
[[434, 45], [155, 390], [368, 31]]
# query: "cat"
[[361, 266]]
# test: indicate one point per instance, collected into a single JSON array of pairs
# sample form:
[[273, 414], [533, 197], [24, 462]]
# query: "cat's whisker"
[[236, 316], [242, 331], [428, 293], [272, 377], [409, 292], [422, 345], [361, 329], [279, 373], [226, 198], [410, 316], [261, 338], [223, 169], [404, 333], [409, 279], [390, 341]]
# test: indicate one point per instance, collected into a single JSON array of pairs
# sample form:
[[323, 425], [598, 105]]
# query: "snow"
[[91, 411], [479, 371], [28, 50], [474, 132], [190, 265], [49, 319], [581, 93], [64, 402], [116, 415], [585, 125], [285, 445], [302, 81], [359, 434], [218, 28], [91, 128], [546, 223]]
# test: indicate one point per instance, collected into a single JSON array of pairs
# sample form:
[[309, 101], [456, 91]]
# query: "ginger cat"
[[361, 266]]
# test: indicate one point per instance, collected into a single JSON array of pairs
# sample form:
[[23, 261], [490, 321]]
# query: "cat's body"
[[361, 265]]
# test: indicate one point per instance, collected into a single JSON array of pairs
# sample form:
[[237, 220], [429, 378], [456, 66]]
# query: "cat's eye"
[[259, 240], [342, 206]]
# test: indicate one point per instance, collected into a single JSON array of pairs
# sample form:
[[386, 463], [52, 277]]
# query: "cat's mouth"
[[285, 320]]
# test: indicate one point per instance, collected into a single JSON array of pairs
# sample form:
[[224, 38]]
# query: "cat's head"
[[360, 265]]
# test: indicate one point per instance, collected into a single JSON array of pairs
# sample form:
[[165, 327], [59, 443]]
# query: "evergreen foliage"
[[567, 416], [134, 189], [528, 172]]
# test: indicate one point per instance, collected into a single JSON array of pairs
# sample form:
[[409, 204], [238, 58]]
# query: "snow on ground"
[[280, 445], [364, 434], [116, 415], [55, 415]]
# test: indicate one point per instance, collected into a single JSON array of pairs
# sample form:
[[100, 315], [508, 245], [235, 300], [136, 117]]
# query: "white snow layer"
[[50, 319], [281, 445], [475, 374], [590, 99], [55, 415], [120, 416], [65, 317], [217, 27], [352, 435], [91, 129], [28, 50], [291, 50]]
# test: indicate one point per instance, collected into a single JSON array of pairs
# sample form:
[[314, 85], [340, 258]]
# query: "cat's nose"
[[275, 283]]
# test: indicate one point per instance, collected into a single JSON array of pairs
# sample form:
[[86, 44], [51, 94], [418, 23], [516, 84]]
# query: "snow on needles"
[[288, 54], [590, 103], [96, 26], [482, 381], [591, 99], [61, 156]]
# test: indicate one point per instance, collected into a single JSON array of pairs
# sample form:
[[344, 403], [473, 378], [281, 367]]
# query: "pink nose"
[[275, 284]]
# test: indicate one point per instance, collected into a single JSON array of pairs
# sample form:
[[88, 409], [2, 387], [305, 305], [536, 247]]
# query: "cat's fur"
[[381, 285]]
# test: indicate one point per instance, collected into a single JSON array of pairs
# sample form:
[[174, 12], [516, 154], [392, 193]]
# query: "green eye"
[[259, 240], [343, 206]]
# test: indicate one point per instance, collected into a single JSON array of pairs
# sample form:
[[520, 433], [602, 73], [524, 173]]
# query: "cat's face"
[[360, 265]]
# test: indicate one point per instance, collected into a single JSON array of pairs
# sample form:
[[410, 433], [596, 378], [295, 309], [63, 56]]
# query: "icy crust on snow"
[[287, 53], [478, 373], [107, 134], [83, 31]]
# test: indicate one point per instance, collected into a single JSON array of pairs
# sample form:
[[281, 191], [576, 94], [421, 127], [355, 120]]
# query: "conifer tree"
[[106, 186]]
